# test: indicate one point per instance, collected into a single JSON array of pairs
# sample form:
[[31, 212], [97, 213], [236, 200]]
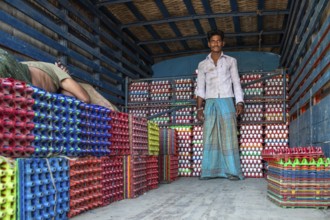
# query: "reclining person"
[[47, 76]]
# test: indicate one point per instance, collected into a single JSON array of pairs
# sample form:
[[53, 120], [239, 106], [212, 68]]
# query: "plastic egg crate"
[[139, 92], [276, 136], [152, 172], [153, 138], [253, 113], [7, 189], [168, 141], [95, 130], [85, 185], [255, 89], [299, 182], [168, 168], [138, 131], [43, 188], [120, 143], [185, 150], [160, 90], [184, 89], [112, 179], [197, 155], [56, 122], [275, 86], [135, 179], [16, 118]]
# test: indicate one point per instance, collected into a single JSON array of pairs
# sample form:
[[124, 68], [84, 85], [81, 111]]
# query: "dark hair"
[[215, 32]]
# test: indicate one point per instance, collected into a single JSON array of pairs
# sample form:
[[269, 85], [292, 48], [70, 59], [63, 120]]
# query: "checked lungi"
[[221, 153]]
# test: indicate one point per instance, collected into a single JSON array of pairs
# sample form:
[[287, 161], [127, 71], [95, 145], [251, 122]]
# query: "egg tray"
[[152, 172], [7, 189], [16, 122], [138, 135], [112, 179], [85, 185], [43, 191], [168, 141]]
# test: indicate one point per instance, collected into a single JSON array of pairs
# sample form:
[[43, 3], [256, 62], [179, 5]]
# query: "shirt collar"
[[222, 55]]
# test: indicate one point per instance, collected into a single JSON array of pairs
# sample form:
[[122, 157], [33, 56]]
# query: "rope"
[[53, 182]]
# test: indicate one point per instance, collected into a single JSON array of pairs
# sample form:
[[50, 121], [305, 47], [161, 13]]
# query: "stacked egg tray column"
[[153, 138], [152, 172], [251, 145], [197, 150], [95, 130], [7, 189], [112, 179], [185, 150], [251, 137], [161, 94], [138, 135], [135, 176], [43, 188], [56, 123], [139, 92], [168, 158], [85, 185], [120, 142], [16, 118], [298, 177]]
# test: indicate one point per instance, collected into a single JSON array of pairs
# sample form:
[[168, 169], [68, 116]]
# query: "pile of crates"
[[75, 153], [298, 177], [168, 158]]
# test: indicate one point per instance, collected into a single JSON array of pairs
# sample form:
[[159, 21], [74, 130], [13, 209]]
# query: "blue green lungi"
[[221, 153]]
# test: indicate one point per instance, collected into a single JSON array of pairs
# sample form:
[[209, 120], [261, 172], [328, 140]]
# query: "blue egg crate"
[[95, 130], [43, 196], [57, 122]]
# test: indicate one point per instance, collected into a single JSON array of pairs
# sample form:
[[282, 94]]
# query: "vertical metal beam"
[[139, 16], [237, 23], [261, 6], [284, 93], [208, 11], [198, 26], [300, 21], [288, 26], [165, 13]]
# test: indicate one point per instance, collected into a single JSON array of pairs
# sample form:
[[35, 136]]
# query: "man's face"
[[216, 44]]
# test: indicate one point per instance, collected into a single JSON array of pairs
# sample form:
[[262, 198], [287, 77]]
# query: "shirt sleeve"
[[200, 88], [236, 82]]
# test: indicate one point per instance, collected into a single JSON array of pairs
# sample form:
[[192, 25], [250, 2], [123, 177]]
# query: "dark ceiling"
[[172, 28]]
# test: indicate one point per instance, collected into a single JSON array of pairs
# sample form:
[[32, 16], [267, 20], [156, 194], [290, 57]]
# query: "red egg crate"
[[152, 172], [138, 135], [16, 118], [295, 152], [119, 134], [85, 185], [112, 179]]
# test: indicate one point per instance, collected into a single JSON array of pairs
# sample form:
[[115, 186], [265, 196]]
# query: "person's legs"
[[212, 157], [11, 68], [229, 142], [220, 154]]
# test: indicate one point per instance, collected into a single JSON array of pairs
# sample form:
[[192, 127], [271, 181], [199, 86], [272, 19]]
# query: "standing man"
[[217, 83]]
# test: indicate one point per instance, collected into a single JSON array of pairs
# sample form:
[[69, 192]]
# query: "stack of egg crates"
[[7, 189], [16, 118], [39, 125], [112, 179], [298, 177], [64, 125], [67, 126]]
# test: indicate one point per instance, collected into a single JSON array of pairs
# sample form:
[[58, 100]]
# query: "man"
[[46, 76], [216, 80]]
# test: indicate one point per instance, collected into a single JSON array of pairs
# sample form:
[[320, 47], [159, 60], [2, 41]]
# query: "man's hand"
[[62, 67], [200, 115], [239, 109]]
